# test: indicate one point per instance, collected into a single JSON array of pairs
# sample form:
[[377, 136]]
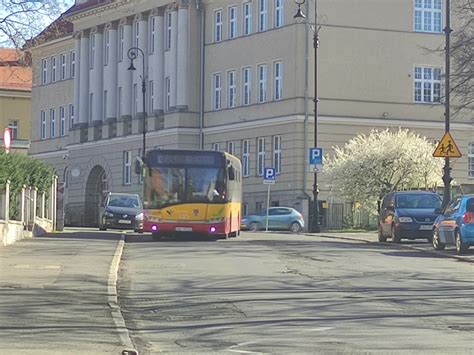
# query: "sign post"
[[268, 179], [315, 159]]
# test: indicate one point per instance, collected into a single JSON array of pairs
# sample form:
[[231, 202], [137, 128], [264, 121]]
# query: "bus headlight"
[[216, 220]]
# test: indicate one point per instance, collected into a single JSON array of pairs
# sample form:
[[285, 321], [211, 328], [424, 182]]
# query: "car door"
[[273, 221], [447, 225], [283, 217]]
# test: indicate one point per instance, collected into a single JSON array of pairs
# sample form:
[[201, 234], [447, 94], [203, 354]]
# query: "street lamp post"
[[315, 225], [132, 54]]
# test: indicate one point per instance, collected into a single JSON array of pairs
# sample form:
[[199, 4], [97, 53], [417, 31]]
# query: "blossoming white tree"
[[369, 166]]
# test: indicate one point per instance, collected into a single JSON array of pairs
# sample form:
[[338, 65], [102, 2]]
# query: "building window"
[[53, 69], [246, 157], [62, 121], [72, 65], [260, 156], [428, 16], [168, 31], [259, 206], [136, 30], [262, 15], [232, 22], [278, 18], [104, 105], [121, 31], [168, 93], [91, 102], [217, 88], [262, 83], [218, 26], [106, 47], [247, 86], [247, 18], [152, 34], [135, 100], [119, 103], [13, 125], [71, 116], [92, 51], [52, 119], [232, 89], [231, 147], [278, 80], [151, 97], [62, 75], [277, 154], [216, 147], [245, 209], [470, 157], [44, 71], [127, 168], [427, 85], [43, 125]]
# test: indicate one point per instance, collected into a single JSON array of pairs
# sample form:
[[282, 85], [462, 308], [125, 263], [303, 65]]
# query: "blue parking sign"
[[316, 156], [269, 174]]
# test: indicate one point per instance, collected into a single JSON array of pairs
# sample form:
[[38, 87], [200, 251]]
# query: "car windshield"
[[123, 201], [418, 201]]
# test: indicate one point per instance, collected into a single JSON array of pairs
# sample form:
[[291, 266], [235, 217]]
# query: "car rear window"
[[418, 201], [470, 205]]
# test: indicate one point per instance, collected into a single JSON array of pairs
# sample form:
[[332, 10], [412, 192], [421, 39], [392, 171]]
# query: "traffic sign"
[[269, 174], [316, 156], [447, 148], [7, 139]]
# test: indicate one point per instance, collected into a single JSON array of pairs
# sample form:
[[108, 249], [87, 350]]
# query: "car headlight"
[[139, 217], [216, 220], [108, 214], [405, 219]]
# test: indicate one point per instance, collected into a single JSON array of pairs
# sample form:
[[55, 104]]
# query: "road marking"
[[117, 315], [318, 329], [233, 350]]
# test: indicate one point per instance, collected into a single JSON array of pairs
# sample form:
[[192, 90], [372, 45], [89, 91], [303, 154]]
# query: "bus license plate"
[[125, 221], [184, 229]]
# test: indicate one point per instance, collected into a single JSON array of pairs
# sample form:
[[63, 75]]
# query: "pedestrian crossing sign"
[[447, 148]]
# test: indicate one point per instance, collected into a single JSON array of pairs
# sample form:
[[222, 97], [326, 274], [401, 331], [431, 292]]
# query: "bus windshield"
[[166, 186]]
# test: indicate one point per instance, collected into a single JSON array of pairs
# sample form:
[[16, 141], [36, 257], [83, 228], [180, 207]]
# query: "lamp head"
[[299, 14], [131, 67]]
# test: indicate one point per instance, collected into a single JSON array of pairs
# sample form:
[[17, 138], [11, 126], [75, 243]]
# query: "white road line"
[[112, 297], [318, 329]]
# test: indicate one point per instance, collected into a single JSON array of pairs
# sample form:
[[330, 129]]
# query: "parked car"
[[121, 210], [408, 215], [455, 226], [279, 218]]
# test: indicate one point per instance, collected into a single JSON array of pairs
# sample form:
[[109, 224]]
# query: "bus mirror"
[[231, 173], [138, 166]]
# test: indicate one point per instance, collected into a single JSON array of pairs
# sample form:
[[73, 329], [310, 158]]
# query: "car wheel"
[[295, 227], [395, 236], [253, 227], [461, 248], [381, 237], [437, 245]]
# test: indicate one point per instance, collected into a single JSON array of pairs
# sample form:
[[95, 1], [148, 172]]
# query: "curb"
[[113, 300], [400, 246]]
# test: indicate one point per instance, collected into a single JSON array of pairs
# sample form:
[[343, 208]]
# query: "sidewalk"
[[419, 244]]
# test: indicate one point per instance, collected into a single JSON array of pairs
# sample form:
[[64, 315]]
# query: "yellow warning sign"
[[447, 148]]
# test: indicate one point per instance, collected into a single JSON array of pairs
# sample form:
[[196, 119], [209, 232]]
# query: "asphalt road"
[[283, 293]]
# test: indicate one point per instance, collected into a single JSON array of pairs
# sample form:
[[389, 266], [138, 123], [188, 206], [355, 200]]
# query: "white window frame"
[[232, 89], [230, 147], [151, 96], [246, 157], [52, 122], [104, 105], [216, 91], [169, 29], [246, 86], [136, 33], [106, 47], [245, 209], [428, 16], [42, 125], [218, 25], [216, 147], [72, 64], [135, 100], [119, 103], [71, 116], [62, 63], [127, 167], [427, 83], [262, 83], [151, 46], [13, 125], [277, 154], [168, 93], [121, 42], [91, 51], [247, 18], [262, 15], [53, 68], [62, 121], [44, 71], [260, 156], [470, 160], [279, 17], [232, 22], [91, 101], [277, 80]]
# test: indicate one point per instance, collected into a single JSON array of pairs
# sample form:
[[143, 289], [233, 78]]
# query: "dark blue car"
[[455, 226], [408, 215]]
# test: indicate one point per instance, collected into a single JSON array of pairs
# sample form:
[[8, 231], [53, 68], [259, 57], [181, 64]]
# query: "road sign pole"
[[268, 205]]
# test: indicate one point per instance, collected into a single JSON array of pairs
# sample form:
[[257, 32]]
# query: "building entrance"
[[96, 189]]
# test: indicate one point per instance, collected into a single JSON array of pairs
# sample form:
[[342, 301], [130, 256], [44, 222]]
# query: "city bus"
[[192, 192]]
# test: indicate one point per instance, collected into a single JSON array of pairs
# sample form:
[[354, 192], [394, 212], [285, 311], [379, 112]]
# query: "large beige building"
[[232, 75]]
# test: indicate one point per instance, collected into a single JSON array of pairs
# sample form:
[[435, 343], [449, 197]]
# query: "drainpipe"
[[201, 10]]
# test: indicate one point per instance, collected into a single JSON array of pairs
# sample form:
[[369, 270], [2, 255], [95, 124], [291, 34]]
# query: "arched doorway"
[[96, 189]]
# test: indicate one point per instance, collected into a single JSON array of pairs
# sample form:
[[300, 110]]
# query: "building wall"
[[16, 105]]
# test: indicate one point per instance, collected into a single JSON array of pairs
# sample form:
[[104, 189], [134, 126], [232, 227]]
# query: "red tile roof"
[[14, 75]]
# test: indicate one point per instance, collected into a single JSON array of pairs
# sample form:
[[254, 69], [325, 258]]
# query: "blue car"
[[279, 218], [455, 226]]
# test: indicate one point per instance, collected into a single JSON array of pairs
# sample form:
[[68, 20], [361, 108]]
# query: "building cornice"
[[96, 10], [53, 42], [25, 94]]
